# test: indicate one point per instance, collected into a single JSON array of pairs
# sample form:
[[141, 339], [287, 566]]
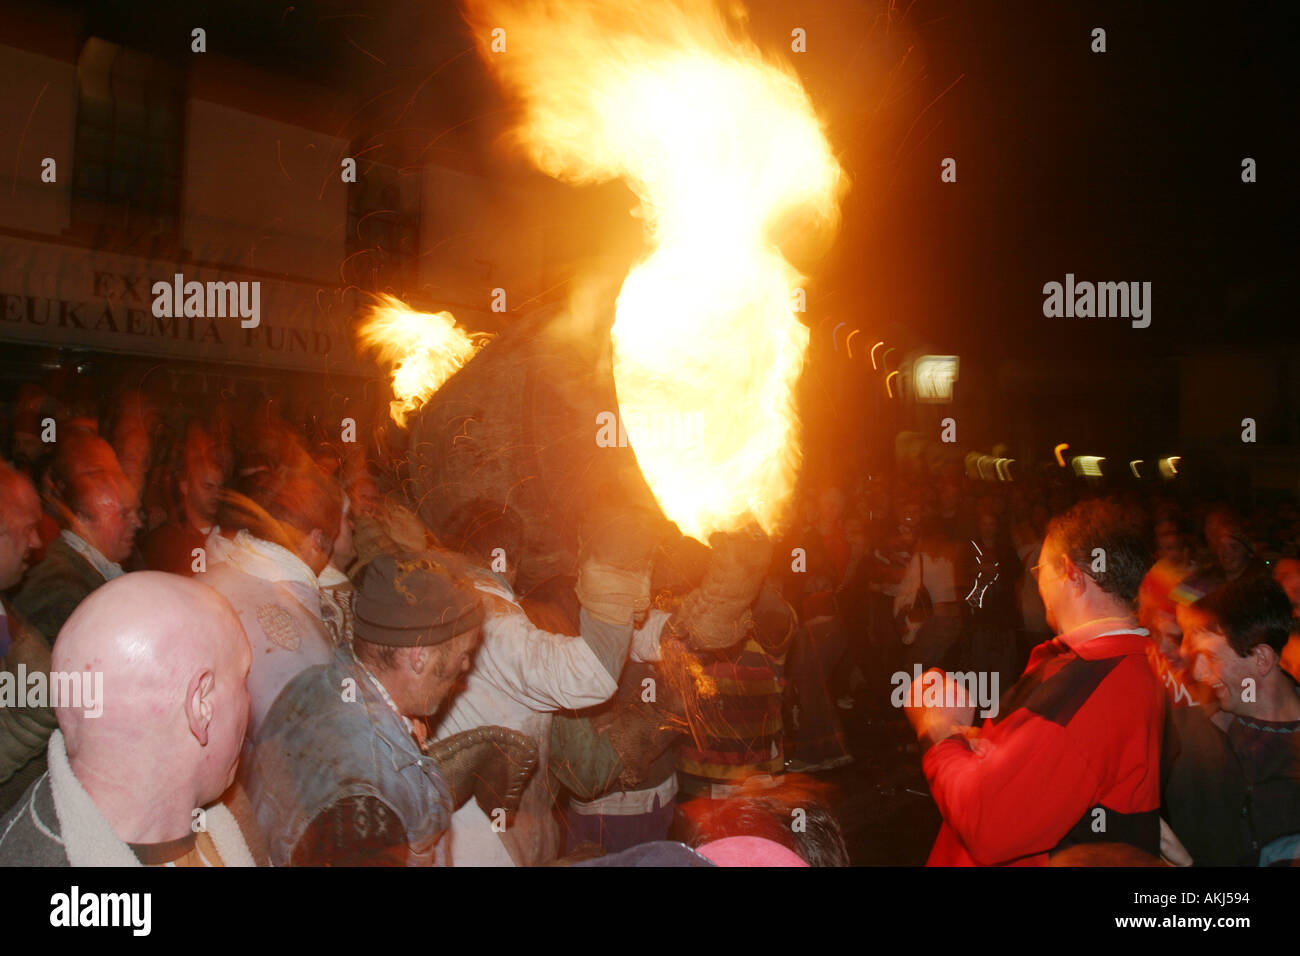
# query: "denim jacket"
[[330, 736]]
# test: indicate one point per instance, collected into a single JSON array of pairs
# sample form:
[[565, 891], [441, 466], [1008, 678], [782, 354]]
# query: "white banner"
[[60, 295]]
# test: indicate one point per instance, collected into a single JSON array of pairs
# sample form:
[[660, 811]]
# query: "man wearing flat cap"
[[341, 773], [523, 675]]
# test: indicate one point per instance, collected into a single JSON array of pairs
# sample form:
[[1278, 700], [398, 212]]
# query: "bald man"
[[132, 785]]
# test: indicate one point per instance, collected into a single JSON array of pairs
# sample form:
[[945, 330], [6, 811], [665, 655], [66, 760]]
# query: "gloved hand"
[[611, 594], [716, 614], [620, 537], [614, 564], [492, 764]]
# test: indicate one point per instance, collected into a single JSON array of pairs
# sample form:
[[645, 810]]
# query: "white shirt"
[[940, 579], [278, 601], [521, 676]]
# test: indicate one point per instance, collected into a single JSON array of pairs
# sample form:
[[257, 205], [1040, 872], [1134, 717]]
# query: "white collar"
[[331, 576], [105, 567], [263, 559], [88, 838]]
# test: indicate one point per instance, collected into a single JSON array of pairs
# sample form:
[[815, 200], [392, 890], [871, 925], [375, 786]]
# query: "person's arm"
[[24, 731], [359, 830], [491, 764], [645, 639], [608, 642], [1018, 792], [546, 671]]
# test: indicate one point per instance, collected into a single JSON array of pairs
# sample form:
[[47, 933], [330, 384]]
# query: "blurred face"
[[1171, 547], [831, 506], [345, 550], [1287, 574], [1212, 660], [202, 492], [113, 519], [1054, 585], [327, 462], [27, 446], [1165, 630], [19, 519], [365, 497], [447, 666], [949, 496], [1229, 550]]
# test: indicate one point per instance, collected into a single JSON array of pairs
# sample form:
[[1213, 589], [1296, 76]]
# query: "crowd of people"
[[297, 670], [1142, 648]]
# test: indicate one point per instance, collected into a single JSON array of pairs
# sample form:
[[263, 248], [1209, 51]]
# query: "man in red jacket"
[[1073, 753]]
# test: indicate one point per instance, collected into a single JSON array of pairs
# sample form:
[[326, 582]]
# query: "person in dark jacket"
[[24, 731], [1247, 754], [99, 516], [350, 777], [98, 511]]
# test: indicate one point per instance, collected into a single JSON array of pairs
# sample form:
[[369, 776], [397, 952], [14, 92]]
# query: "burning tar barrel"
[[529, 423]]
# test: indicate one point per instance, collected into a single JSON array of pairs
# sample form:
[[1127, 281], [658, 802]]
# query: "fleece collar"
[[261, 559], [88, 838], [332, 577]]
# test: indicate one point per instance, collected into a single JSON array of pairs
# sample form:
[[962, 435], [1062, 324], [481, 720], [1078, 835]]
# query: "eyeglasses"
[[1037, 568]]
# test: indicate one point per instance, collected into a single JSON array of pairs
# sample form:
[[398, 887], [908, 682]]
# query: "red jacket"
[[1078, 733]]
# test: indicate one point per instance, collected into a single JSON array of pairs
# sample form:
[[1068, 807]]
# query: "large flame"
[[727, 156], [424, 349]]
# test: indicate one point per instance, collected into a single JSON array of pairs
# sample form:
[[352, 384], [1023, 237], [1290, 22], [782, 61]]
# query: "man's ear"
[[198, 705], [1263, 657], [419, 658]]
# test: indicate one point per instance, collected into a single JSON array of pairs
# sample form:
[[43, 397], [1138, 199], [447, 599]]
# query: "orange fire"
[[723, 149], [424, 349]]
